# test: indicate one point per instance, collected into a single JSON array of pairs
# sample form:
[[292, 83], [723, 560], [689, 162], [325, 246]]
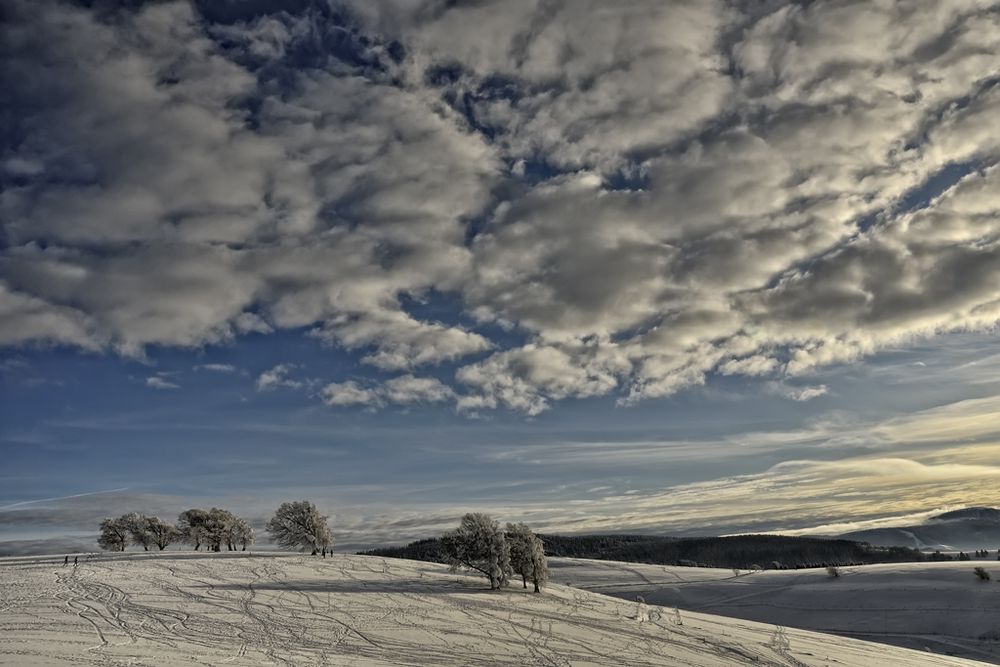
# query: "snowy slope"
[[357, 610], [969, 529], [942, 607]]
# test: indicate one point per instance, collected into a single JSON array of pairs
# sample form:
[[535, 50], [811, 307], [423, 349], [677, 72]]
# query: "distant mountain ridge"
[[965, 529], [984, 513]]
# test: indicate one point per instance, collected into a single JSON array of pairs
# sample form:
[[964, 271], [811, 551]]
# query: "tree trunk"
[[145, 548], [524, 581], [535, 582]]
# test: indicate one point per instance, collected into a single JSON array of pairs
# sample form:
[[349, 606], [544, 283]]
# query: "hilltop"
[[184, 609]]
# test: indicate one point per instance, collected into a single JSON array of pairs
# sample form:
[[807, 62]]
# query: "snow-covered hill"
[[967, 529], [940, 607], [226, 609]]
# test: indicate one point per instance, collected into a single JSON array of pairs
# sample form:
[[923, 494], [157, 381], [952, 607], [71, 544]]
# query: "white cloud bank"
[[728, 190]]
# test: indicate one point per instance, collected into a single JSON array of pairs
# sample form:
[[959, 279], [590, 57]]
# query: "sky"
[[685, 267]]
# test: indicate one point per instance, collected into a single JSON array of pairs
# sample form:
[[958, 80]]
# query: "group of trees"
[[480, 544], [294, 525], [212, 528]]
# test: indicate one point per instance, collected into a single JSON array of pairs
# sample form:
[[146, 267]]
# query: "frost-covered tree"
[[115, 534], [239, 533], [161, 533], [213, 528], [299, 525], [138, 528], [527, 555], [216, 529], [479, 544], [191, 526]]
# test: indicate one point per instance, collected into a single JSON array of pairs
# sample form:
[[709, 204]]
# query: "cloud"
[[182, 223], [963, 421], [350, 393], [643, 195], [277, 377], [69, 497], [158, 382], [401, 341], [525, 379], [800, 394], [757, 364], [216, 368], [408, 389], [402, 390]]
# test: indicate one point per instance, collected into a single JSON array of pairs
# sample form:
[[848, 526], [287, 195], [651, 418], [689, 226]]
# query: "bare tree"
[[300, 525], [527, 555], [114, 534], [479, 544]]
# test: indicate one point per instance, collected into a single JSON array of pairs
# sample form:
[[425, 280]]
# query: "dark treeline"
[[740, 551]]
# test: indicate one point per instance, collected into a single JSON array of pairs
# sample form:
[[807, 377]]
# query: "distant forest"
[[740, 551]]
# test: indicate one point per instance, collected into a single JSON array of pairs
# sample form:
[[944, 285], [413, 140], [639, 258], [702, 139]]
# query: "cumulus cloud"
[[276, 377], [409, 389], [402, 390], [400, 341], [164, 211], [647, 194], [349, 393]]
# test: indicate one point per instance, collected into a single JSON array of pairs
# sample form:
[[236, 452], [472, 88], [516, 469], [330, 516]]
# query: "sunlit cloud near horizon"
[[679, 267]]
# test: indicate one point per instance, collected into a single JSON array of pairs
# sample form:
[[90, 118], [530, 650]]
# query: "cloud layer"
[[644, 194]]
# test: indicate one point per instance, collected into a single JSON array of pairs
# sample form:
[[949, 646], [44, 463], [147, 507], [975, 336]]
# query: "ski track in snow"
[[227, 609]]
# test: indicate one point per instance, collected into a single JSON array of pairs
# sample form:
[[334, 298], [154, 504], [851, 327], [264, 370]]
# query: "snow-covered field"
[[232, 609], [940, 607]]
